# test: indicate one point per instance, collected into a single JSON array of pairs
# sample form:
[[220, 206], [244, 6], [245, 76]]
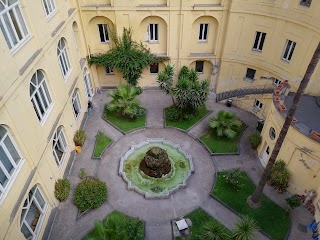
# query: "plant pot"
[[78, 149]]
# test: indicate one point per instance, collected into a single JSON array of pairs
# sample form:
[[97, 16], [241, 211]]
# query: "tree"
[[124, 101], [254, 199], [165, 80], [127, 56], [225, 124], [245, 229]]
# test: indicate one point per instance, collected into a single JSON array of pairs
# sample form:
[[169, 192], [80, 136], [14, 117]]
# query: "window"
[[12, 23], [154, 68], [76, 104], [290, 45], [199, 66], [276, 82], [203, 33], [153, 32], [40, 96], [250, 74], [272, 133], [258, 104], [305, 2], [33, 212], [63, 58], [87, 83], [103, 33], [49, 7], [10, 160], [259, 41], [59, 146], [109, 70]]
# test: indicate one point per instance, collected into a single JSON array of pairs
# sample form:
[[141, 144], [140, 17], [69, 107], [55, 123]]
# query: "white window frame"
[[32, 199], [259, 37], [305, 3], [49, 8], [17, 34], [287, 57], [202, 66], [87, 83], [63, 58], [203, 35], [59, 140], [109, 71], [40, 97], [258, 104], [76, 103], [105, 29], [16, 166], [276, 82], [154, 37]]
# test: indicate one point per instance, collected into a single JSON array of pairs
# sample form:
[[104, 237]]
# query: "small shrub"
[[232, 178], [79, 137], [255, 140], [293, 201], [280, 175], [62, 189], [82, 173], [245, 229], [90, 194], [214, 231]]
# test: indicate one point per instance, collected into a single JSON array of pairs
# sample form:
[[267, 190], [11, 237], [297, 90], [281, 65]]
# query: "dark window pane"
[[154, 68], [101, 32], [262, 41], [292, 49], [205, 32], [156, 31], [287, 49], [255, 45], [199, 66], [151, 32], [106, 32], [250, 73], [200, 33]]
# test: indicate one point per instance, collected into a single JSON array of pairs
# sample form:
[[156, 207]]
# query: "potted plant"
[[79, 139]]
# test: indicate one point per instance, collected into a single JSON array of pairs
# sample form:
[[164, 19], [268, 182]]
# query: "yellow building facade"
[[45, 82]]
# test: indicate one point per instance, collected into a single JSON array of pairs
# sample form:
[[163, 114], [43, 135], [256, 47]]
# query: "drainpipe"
[[180, 35]]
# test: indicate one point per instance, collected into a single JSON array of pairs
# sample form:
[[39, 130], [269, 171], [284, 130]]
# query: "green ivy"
[[127, 56]]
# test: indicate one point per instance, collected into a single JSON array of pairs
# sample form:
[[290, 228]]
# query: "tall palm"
[[245, 229], [254, 199], [124, 100], [214, 231], [225, 124], [199, 94]]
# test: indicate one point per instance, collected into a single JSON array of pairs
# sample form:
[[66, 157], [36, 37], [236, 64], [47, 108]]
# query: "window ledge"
[[106, 42], [11, 181], [202, 41], [250, 80], [153, 42], [256, 50], [63, 158], [67, 75], [51, 15], [16, 48], [285, 60], [110, 74], [47, 114]]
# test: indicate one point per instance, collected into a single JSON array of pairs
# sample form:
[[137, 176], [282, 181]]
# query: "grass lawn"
[[186, 124], [222, 145], [271, 218], [120, 226], [199, 218], [125, 124], [102, 141]]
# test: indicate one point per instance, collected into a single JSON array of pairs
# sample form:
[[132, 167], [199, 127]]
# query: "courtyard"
[[157, 214]]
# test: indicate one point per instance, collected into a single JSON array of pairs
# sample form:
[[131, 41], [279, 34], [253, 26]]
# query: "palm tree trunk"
[[254, 199]]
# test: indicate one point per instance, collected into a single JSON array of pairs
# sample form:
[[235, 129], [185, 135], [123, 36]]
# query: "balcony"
[[306, 118]]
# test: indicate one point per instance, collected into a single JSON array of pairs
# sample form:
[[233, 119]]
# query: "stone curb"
[[239, 215], [104, 150]]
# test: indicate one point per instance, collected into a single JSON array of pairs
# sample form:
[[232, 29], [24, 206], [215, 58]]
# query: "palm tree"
[[254, 199], [245, 229], [225, 124], [124, 100], [214, 231], [165, 80]]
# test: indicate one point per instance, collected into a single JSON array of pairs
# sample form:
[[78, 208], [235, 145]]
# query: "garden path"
[[158, 213]]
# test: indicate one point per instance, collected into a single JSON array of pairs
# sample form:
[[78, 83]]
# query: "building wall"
[[227, 53]]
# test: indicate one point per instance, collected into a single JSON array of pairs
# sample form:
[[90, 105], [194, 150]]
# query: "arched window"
[[60, 146], [63, 58], [10, 160], [76, 104], [33, 212], [40, 96], [49, 7], [12, 23], [87, 83]]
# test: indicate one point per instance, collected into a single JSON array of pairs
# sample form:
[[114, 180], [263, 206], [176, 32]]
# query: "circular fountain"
[[155, 168]]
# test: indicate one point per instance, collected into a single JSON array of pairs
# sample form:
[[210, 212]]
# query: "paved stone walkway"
[[158, 213]]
